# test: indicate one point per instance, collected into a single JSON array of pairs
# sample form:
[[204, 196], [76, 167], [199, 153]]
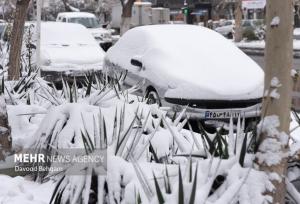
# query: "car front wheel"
[[229, 35], [152, 97]]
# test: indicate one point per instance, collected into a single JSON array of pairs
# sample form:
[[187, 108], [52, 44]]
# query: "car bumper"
[[57, 76]]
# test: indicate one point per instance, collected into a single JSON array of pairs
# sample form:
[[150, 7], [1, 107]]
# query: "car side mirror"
[[137, 63]]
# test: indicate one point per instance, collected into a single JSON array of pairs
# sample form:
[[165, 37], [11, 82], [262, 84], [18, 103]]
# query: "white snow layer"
[[19, 190]]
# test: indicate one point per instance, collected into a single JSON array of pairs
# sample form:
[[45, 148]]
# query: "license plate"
[[221, 114]]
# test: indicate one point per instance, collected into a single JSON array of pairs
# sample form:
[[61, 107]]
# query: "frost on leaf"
[[275, 22]]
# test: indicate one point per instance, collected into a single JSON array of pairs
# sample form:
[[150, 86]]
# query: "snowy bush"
[[151, 158]]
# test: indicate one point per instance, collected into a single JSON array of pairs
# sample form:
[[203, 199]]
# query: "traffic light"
[[186, 11]]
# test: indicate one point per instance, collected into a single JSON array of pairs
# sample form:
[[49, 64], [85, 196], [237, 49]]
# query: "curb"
[[260, 51]]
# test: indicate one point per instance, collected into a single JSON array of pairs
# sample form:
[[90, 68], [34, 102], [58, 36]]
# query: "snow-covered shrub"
[[144, 152], [140, 146]]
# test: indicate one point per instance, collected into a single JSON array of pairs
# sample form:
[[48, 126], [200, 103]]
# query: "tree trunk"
[[279, 57], [125, 25], [126, 16], [5, 139], [16, 39], [238, 32], [67, 5]]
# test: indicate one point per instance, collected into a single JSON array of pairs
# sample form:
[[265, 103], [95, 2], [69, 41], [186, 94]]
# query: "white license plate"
[[221, 114]]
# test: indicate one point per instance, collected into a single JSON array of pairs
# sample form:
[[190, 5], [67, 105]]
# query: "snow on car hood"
[[193, 61], [71, 57]]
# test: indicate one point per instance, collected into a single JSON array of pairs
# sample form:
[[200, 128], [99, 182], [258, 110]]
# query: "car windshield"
[[85, 21], [228, 23]]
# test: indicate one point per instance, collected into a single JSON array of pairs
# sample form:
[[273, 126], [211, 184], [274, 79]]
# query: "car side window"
[[64, 20]]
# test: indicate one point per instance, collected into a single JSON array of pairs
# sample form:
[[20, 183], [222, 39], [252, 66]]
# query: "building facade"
[[201, 10]]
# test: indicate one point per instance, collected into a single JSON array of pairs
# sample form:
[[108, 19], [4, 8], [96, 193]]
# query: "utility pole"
[[274, 128]]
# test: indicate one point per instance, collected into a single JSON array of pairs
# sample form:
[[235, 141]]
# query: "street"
[[260, 61]]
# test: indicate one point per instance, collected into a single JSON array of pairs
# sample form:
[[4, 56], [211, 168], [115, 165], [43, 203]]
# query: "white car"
[[89, 20], [185, 65], [67, 50], [226, 29]]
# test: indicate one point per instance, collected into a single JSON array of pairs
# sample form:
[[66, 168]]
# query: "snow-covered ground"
[[19, 190]]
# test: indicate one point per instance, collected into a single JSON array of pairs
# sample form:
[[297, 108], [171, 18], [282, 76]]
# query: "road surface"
[[260, 60]]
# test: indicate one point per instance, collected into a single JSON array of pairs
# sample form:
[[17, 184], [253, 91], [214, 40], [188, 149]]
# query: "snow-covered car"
[[67, 50], [226, 29], [189, 66], [90, 21]]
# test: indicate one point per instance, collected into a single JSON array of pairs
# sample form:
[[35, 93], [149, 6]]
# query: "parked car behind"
[[226, 29], [204, 71], [67, 50], [89, 20]]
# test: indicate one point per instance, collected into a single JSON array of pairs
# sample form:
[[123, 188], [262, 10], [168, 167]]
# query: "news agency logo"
[[42, 158], [74, 162], [29, 158]]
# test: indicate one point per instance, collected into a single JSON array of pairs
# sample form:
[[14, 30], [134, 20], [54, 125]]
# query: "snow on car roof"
[[77, 15], [194, 54], [142, 3]]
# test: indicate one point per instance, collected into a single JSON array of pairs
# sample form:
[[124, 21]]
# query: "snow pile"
[[24, 121]]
